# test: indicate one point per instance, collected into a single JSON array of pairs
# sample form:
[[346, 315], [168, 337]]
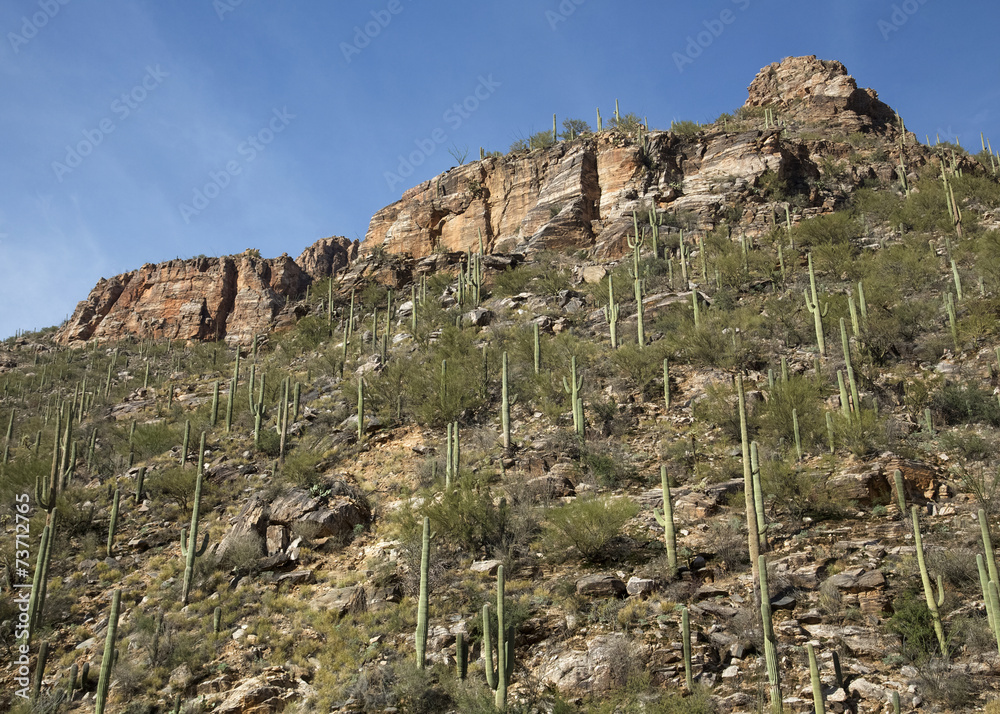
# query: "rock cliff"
[[740, 172], [581, 194], [231, 298]]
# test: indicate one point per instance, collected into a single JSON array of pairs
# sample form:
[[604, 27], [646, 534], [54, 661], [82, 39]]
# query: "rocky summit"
[[701, 419]]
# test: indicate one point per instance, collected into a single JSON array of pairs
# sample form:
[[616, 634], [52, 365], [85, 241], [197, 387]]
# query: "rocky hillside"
[[339, 483]]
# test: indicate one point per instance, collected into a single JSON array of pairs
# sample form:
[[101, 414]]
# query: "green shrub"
[[685, 128], [827, 229], [802, 395], [911, 620], [587, 524], [153, 439], [966, 404]]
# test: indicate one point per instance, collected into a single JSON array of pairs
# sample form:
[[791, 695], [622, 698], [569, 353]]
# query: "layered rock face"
[[582, 194], [232, 297], [571, 196], [819, 93]]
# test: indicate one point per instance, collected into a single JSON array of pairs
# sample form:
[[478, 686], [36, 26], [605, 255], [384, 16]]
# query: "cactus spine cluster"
[[189, 541]]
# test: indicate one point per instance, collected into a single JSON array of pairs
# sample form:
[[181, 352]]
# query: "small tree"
[[574, 128]]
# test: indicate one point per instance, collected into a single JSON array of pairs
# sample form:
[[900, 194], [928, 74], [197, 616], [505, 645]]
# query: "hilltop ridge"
[[741, 171]]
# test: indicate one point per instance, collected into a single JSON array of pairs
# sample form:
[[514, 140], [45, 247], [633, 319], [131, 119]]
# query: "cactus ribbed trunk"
[[421, 634], [109, 655]]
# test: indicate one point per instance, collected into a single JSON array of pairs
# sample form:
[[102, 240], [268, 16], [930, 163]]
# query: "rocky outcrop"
[[327, 256], [231, 298], [818, 92], [574, 195], [582, 194]]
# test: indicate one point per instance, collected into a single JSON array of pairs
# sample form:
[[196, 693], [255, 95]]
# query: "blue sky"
[[135, 132]]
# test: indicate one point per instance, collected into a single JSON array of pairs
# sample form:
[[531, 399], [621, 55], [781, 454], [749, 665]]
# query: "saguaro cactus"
[[818, 312], [189, 541], [109, 655], [421, 635], [666, 519], [361, 409], [113, 525], [573, 389], [770, 644], [928, 588], [257, 407], [505, 404], [686, 648], [816, 683], [611, 312], [753, 529], [499, 677]]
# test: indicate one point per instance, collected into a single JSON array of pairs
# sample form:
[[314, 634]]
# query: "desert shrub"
[[474, 521], [862, 433], [966, 404], [624, 123], [606, 464], [172, 484], [727, 540], [685, 127], [514, 280], [153, 439], [802, 395], [643, 366], [827, 229], [952, 686], [968, 445], [587, 524], [911, 620], [720, 408], [574, 129], [438, 397], [800, 492]]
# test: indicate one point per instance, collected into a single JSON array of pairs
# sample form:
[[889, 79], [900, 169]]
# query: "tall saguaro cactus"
[[421, 635], [753, 529], [770, 644], [928, 588], [107, 661], [666, 519], [498, 678], [611, 312], [505, 404], [573, 389], [818, 312], [189, 541]]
